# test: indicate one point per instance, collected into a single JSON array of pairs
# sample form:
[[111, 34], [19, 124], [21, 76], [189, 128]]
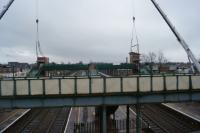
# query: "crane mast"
[[5, 8], [178, 36]]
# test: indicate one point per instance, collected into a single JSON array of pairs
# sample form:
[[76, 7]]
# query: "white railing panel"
[[82, 86], [36, 87], [51, 86], [22, 87], [171, 83], [129, 84], [196, 82], [97, 85], [183, 82], [7, 88], [113, 85], [67, 86], [144, 84], [158, 83]]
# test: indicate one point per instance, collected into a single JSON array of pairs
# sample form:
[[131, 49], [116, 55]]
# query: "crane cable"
[[38, 47], [134, 31]]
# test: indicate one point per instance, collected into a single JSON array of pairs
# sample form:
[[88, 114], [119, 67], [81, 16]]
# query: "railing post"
[[14, 87], [177, 82], [59, 86], [151, 83], [90, 85], [190, 87], [104, 85], [0, 87], [164, 86], [29, 87], [75, 85], [138, 118], [121, 84], [43, 86]]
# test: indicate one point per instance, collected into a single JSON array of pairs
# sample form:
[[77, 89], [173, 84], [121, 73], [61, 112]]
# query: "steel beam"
[[73, 101]]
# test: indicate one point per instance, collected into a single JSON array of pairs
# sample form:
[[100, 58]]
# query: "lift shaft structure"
[[178, 36], [5, 8]]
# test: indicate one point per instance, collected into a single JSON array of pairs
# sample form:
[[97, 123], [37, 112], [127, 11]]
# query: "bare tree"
[[149, 58], [152, 57], [144, 58], [152, 60], [161, 59]]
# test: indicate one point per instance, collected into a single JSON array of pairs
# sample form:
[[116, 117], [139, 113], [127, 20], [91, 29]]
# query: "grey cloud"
[[96, 30]]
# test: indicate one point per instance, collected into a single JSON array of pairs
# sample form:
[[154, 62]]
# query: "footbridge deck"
[[91, 91]]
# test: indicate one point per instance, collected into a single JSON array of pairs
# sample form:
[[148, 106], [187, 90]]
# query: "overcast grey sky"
[[96, 30]]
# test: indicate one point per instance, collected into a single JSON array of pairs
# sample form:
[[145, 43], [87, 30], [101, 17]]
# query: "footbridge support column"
[[127, 118], [103, 119], [138, 119]]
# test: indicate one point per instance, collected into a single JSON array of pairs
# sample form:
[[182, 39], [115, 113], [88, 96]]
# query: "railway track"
[[9, 117], [162, 119], [41, 121]]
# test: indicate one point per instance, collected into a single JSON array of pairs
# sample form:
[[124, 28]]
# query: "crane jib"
[[180, 39]]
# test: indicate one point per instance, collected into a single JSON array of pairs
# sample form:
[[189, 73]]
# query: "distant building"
[[8, 69], [15, 69], [42, 60], [21, 66], [134, 58]]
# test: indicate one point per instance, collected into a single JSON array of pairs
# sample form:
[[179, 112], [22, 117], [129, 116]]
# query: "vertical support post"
[[104, 85], [151, 83], [14, 87], [104, 120], [29, 87], [165, 87], [177, 82], [190, 87], [138, 119], [59, 85], [127, 118], [0, 87], [13, 71], [121, 84], [90, 85], [43, 86], [75, 85]]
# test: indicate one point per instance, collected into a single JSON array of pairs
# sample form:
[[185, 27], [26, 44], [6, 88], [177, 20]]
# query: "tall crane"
[[178, 36], [38, 47], [136, 38], [5, 8], [41, 59]]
